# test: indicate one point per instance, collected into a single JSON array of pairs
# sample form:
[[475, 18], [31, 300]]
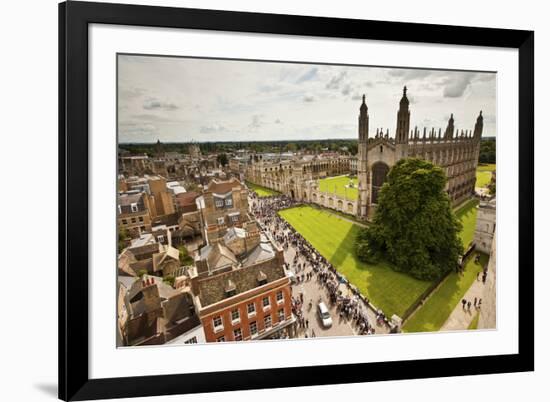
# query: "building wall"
[[456, 153], [163, 199], [485, 227], [240, 303], [212, 213]]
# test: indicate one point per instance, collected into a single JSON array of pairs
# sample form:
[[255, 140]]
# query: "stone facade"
[[326, 199], [291, 176], [485, 226], [456, 152], [225, 206]]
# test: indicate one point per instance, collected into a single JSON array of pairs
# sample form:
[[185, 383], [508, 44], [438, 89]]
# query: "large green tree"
[[414, 226]]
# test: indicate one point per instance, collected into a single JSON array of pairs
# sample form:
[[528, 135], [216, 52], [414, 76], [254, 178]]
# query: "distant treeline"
[[487, 152], [346, 145]]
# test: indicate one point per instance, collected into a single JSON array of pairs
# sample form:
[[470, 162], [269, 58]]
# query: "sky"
[[184, 99]]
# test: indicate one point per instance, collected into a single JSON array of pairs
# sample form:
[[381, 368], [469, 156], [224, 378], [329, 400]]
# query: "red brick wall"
[[245, 320]]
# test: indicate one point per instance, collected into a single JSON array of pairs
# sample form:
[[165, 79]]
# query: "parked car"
[[324, 315]]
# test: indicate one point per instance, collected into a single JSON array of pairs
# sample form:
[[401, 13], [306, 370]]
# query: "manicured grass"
[[437, 308], [473, 324], [337, 185], [467, 214], [433, 314], [261, 191], [334, 238], [483, 174]]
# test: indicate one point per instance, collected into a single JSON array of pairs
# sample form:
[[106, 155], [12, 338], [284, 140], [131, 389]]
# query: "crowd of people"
[[307, 265]]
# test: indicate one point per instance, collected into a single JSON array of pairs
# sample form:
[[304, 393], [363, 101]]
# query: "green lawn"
[[433, 314], [467, 214], [337, 185], [483, 174], [334, 238], [261, 191]]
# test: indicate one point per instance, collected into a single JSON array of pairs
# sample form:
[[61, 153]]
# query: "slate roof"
[[212, 289], [217, 256], [262, 252]]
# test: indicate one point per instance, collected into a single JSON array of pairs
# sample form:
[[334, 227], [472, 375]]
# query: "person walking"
[[475, 301], [469, 305], [463, 304]]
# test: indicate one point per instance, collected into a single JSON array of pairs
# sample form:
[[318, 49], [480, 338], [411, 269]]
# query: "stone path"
[[461, 318]]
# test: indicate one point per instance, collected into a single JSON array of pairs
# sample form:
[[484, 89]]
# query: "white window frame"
[[219, 203], [220, 339], [255, 334], [238, 319], [221, 220], [228, 202], [240, 334], [268, 306], [281, 317], [134, 207], [251, 313], [160, 238], [282, 299], [270, 322], [217, 328]]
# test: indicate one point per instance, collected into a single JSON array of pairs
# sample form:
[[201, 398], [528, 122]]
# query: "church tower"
[[449, 131], [478, 128], [403, 123], [362, 167]]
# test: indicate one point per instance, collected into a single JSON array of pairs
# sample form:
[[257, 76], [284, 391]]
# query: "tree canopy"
[[222, 159], [414, 226]]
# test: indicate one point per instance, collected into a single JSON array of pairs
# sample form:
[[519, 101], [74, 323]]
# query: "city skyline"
[[203, 100]]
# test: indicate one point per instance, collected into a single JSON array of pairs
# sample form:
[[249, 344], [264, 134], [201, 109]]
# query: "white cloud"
[[178, 99]]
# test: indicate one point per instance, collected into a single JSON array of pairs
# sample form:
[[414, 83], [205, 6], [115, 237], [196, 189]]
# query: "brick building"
[[239, 280], [243, 296]]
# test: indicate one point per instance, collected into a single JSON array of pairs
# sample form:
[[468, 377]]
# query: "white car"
[[324, 315]]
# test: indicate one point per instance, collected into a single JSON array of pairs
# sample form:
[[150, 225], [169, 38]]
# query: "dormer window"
[[219, 203], [261, 278], [230, 289], [229, 202], [134, 207]]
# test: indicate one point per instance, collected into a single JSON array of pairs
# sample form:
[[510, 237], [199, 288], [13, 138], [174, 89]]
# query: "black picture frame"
[[74, 18]]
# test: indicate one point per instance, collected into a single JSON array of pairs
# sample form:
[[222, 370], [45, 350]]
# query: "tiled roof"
[[186, 199], [222, 187]]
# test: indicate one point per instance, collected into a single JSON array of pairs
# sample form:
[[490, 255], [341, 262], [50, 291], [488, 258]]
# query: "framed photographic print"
[[258, 200]]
